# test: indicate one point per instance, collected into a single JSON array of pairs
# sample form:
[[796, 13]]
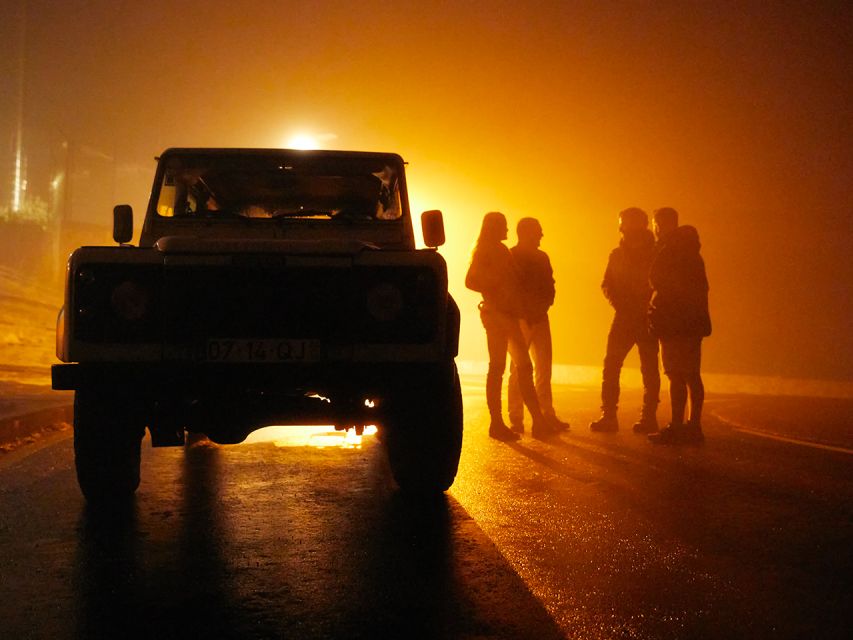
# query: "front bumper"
[[227, 402], [155, 378]]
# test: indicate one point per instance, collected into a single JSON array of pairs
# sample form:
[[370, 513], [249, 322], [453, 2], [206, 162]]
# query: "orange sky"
[[735, 113]]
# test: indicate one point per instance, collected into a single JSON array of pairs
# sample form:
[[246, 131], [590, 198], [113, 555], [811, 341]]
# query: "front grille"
[[325, 303], [232, 302]]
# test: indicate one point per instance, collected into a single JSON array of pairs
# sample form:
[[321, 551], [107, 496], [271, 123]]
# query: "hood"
[[187, 244], [686, 239]]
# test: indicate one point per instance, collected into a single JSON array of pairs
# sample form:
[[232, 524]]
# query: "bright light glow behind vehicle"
[[303, 141], [320, 436]]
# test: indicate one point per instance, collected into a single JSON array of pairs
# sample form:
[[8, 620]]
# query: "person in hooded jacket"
[[626, 287], [679, 317], [493, 273]]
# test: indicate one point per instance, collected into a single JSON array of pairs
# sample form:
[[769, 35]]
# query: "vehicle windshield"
[[281, 185]]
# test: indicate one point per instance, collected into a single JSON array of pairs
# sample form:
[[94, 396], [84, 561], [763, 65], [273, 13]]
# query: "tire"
[[424, 436], [106, 452]]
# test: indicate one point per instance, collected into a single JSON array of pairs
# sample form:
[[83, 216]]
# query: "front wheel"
[[424, 436], [107, 443]]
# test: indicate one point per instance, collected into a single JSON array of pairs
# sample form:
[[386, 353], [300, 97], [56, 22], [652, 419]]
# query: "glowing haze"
[[737, 114]]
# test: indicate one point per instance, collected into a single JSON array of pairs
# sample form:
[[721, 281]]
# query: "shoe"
[[676, 434], [690, 433], [670, 434], [516, 427], [607, 423], [646, 424], [541, 430], [693, 433], [499, 431], [556, 424]]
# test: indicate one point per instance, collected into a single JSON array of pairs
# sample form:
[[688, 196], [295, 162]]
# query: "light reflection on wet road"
[[615, 538], [740, 537], [251, 541]]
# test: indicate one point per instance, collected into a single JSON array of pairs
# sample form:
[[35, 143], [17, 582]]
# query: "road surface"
[[587, 536]]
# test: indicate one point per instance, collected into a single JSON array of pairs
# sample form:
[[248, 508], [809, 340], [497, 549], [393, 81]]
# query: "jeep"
[[269, 287]]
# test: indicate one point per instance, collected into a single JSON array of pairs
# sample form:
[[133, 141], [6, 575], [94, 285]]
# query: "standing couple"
[[659, 291], [517, 286]]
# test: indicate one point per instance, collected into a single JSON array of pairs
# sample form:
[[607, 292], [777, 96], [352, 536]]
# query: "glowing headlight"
[[385, 302], [129, 300]]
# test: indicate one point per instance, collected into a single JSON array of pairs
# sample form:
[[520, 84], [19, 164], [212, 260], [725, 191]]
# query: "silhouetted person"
[[494, 275], [538, 291], [626, 287], [678, 315]]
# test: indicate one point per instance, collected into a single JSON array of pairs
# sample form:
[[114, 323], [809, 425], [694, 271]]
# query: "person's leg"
[[539, 338], [496, 339], [518, 351], [541, 353], [515, 402], [648, 349], [697, 397], [680, 363], [677, 396], [619, 343], [695, 385], [676, 431]]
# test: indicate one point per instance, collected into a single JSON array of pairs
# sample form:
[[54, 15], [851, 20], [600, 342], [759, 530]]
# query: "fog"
[[736, 114]]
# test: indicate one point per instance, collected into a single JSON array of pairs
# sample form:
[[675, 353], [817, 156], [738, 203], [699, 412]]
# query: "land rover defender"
[[268, 287]]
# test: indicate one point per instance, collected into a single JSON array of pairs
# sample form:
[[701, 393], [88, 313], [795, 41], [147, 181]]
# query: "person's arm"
[[704, 276], [608, 284], [657, 271], [472, 278], [481, 273], [551, 289]]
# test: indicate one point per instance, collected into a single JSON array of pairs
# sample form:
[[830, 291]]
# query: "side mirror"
[[122, 223], [432, 226]]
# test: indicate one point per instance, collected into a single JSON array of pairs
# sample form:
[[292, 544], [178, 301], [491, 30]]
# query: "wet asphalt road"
[[588, 536]]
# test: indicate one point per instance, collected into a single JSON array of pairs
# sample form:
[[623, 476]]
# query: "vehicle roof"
[[319, 153]]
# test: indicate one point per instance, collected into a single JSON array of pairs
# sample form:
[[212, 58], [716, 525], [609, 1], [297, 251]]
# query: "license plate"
[[261, 350]]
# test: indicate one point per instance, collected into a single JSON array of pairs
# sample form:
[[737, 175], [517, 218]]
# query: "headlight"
[[385, 302], [400, 304], [116, 303], [130, 301]]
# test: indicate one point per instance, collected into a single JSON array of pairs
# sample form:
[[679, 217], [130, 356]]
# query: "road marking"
[[24, 451], [772, 436]]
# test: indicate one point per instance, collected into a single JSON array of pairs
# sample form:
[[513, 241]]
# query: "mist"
[[736, 114]]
